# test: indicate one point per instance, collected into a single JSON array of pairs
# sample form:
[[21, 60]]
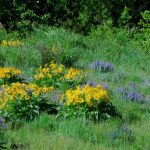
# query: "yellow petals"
[[72, 74], [87, 94], [49, 71], [21, 91], [9, 72], [5, 43]]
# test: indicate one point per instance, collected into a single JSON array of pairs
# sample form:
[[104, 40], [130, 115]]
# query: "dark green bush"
[[80, 15]]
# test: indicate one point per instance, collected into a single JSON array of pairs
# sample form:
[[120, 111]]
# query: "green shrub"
[[145, 29], [58, 76], [89, 102], [24, 101]]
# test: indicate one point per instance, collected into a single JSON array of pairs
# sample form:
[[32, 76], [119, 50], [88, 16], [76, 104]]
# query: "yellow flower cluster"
[[87, 94], [9, 72], [5, 43], [48, 71], [73, 74], [21, 91]]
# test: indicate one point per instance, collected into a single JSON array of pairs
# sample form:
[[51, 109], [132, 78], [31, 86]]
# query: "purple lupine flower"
[[105, 86], [103, 66], [55, 97], [121, 133], [94, 84], [130, 93], [3, 126], [1, 120], [2, 123], [90, 83]]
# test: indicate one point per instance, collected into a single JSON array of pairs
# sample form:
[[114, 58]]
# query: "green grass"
[[48, 133], [131, 66]]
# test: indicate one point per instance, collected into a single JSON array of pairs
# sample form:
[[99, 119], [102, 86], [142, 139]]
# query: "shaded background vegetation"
[[79, 15]]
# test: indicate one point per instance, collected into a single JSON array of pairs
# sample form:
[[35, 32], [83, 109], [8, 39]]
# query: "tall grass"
[[131, 66]]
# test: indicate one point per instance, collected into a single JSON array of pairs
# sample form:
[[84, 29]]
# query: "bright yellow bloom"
[[9, 72], [21, 91], [87, 94], [49, 71], [5, 43], [72, 74]]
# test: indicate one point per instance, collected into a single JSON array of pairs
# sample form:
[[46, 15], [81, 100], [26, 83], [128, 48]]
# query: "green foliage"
[[2, 59], [3, 34], [125, 18], [145, 29], [80, 16], [60, 55], [97, 113], [59, 45]]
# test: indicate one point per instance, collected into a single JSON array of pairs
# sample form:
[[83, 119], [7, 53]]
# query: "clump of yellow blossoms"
[[48, 71], [9, 72], [54, 74], [21, 91], [72, 74], [87, 94], [5, 43]]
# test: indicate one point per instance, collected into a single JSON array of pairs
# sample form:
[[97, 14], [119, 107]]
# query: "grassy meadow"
[[130, 58]]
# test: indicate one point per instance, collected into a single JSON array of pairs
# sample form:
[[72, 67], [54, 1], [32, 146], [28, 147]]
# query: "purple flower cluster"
[[121, 133], [106, 86], [2, 123], [94, 84], [91, 83], [130, 93], [103, 66]]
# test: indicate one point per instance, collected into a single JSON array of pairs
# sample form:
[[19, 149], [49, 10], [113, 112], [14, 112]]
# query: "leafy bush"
[[125, 18], [80, 15], [145, 29], [90, 102], [58, 76], [23, 101], [27, 100]]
